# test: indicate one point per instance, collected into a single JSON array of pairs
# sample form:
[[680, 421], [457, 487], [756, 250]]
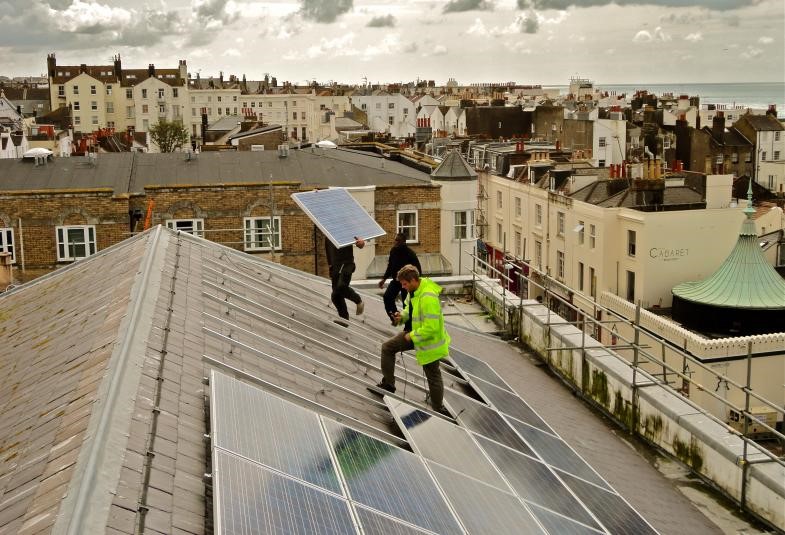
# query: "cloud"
[[716, 5], [325, 11], [765, 40], [752, 53], [530, 24], [459, 6], [411, 48], [479, 29], [232, 53], [438, 50], [644, 36], [694, 37], [384, 21], [213, 14]]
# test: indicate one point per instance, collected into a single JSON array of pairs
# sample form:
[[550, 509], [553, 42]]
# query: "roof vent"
[[283, 150]]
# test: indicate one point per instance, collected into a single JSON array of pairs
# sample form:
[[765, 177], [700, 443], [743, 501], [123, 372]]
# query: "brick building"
[[70, 208]]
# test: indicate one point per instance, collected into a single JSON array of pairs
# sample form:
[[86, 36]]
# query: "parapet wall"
[[658, 414]]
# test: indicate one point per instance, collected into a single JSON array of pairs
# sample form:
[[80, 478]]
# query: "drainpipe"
[[21, 246]]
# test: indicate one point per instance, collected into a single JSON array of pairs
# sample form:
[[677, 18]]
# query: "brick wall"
[[270, 140], [426, 199]]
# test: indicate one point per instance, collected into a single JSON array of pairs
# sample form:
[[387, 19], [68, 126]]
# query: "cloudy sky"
[[527, 41]]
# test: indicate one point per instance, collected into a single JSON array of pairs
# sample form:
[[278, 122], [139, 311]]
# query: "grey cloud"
[[411, 48], [384, 21], [717, 5], [458, 6], [325, 11], [530, 24], [211, 11]]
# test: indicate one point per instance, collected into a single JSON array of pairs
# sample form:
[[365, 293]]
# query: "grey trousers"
[[433, 372]]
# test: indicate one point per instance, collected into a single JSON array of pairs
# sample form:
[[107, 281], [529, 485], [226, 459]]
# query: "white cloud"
[[232, 53], [694, 37], [644, 36], [438, 50], [752, 53], [765, 40], [90, 17], [478, 28]]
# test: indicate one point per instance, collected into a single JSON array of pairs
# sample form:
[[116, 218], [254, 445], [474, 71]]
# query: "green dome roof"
[[744, 280]]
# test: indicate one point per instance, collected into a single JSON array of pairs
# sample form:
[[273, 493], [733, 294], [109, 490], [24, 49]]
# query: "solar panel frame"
[[338, 215]]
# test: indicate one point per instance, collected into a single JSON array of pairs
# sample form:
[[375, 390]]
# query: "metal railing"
[[585, 311]]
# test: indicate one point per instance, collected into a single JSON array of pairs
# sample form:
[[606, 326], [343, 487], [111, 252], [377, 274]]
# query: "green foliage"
[[169, 135]]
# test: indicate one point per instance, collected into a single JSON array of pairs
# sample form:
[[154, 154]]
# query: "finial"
[[749, 210]]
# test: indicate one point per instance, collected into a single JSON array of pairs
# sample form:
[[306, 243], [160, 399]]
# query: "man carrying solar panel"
[[341, 262], [427, 337]]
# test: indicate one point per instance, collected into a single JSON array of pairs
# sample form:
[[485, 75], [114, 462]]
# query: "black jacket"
[[338, 257], [399, 257]]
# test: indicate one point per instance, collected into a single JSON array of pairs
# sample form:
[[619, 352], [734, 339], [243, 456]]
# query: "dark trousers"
[[433, 372], [341, 277], [392, 291]]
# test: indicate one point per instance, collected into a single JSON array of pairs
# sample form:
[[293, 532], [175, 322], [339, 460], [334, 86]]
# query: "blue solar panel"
[[338, 215]]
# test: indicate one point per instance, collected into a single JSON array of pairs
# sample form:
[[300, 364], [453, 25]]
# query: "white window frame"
[[560, 218], [65, 246], [632, 238], [191, 226], [499, 202], [601, 142], [406, 228], [538, 215], [518, 209], [256, 235], [466, 226], [7, 242], [581, 230], [560, 265], [592, 236]]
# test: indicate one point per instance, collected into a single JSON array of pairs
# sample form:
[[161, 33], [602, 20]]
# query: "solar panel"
[[477, 368], [445, 443], [511, 404], [482, 508], [252, 499], [555, 523], [274, 432], [375, 524], [389, 479], [338, 215]]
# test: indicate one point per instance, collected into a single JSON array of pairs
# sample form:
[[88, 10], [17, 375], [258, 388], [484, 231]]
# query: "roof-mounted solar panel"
[[338, 215]]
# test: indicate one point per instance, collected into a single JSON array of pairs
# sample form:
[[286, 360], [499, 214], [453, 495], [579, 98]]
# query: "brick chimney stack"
[[718, 125], [151, 70]]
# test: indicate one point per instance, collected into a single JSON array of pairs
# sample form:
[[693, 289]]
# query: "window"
[[748, 157], [294, 115], [763, 156], [776, 155], [220, 111], [93, 105], [406, 112], [776, 136], [7, 242], [76, 90], [464, 221], [294, 103], [498, 199], [580, 230], [517, 207], [227, 111], [560, 224], [77, 106], [129, 112], [391, 106], [517, 245], [145, 125], [145, 108], [631, 286], [175, 93], [631, 242], [160, 92], [390, 120], [162, 108], [771, 185], [144, 93], [602, 142], [600, 163], [77, 120], [259, 236], [560, 264], [499, 236], [269, 104], [129, 93], [74, 242], [378, 105], [60, 90], [407, 224], [191, 226], [734, 158], [234, 98], [538, 254], [718, 159], [219, 98], [110, 124], [592, 236], [592, 283], [93, 90], [538, 215], [580, 276], [110, 107], [94, 119]]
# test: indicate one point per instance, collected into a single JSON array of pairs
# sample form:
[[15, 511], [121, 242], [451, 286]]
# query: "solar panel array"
[[281, 468], [338, 215]]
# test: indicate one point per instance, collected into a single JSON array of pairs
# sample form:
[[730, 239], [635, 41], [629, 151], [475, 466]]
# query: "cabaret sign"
[[661, 253]]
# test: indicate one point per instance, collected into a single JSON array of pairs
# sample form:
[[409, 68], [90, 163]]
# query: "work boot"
[[443, 411], [360, 308], [385, 386]]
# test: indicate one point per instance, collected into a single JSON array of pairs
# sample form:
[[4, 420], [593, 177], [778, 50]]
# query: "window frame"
[[63, 241], [518, 207], [560, 222], [632, 238], [538, 215], [467, 226], [196, 225], [592, 236], [7, 244], [499, 199], [250, 244], [401, 228], [560, 260]]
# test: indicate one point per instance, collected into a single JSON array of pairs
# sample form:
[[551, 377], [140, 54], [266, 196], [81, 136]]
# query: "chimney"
[[183, 68], [772, 110], [5, 271], [83, 67], [221, 77], [118, 67], [51, 64], [151, 70], [718, 125]]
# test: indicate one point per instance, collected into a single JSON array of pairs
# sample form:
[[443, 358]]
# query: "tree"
[[169, 135]]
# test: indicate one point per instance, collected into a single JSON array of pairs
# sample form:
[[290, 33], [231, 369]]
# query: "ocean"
[[748, 95]]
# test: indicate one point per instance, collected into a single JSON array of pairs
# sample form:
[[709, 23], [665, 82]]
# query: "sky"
[[353, 41]]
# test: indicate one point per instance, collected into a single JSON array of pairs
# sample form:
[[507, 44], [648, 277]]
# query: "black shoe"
[[385, 386], [443, 411], [342, 322]]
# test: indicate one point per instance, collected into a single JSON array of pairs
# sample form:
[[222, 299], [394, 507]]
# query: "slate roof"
[[454, 166], [104, 408], [255, 131], [762, 122], [128, 172]]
